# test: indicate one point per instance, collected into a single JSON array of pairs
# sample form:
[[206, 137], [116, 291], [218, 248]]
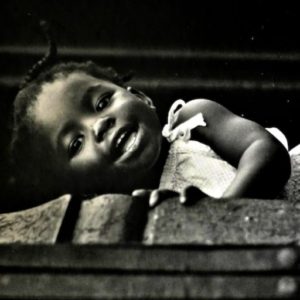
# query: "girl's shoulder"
[[185, 116], [210, 110]]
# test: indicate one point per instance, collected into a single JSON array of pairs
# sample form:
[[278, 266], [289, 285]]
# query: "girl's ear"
[[141, 95]]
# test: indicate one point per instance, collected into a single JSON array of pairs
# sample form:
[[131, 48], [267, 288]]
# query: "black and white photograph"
[[149, 149]]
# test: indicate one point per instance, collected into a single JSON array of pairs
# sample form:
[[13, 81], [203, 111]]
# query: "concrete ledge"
[[220, 221], [140, 272], [110, 218], [140, 286], [40, 224], [138, 258]]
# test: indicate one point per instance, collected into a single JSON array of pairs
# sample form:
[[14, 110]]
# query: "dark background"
[[243, 54], [184, 25]]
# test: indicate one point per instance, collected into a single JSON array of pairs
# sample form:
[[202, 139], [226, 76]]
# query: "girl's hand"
[[187, 197]]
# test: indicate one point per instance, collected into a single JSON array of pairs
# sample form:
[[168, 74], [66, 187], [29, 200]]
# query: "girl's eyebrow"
[[88, 93], [63, 131]]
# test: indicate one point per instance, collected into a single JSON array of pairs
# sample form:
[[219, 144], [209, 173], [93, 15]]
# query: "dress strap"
[[182, 131]]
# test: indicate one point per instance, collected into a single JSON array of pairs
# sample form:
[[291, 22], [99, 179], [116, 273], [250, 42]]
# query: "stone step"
[[139, 272], [138, 258], [40, 224], [109, 219], [104, 286], [224, 221]]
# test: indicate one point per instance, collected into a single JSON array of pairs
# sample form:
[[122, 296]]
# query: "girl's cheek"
[[84, 162]]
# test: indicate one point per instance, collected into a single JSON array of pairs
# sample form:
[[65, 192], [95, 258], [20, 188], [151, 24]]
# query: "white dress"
[[194, 163]]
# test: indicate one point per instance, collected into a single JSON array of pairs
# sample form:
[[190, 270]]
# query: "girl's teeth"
[[120, 139], [129, 144], [126, 142]]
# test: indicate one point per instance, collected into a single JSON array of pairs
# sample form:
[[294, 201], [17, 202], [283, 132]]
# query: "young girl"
[[79, 129]]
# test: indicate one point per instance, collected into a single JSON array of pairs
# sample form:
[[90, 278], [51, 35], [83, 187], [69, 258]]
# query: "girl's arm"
[[262, 162]]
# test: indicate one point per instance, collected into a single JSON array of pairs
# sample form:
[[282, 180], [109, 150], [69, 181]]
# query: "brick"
[[224, 221], [110, 218], [40, 224]]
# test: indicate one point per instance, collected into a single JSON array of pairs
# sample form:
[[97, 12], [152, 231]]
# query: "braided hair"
[[26, 155], [46, 60]]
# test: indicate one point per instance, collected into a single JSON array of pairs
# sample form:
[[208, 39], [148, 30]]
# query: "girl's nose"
[[101, 126]]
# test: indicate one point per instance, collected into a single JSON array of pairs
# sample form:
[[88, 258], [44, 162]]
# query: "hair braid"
[[48, 59]]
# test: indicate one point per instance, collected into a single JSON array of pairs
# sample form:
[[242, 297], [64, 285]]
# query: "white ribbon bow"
[[183, 131]]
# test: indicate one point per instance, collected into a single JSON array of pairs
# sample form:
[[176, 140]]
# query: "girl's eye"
[[75, 146], [102, 102]]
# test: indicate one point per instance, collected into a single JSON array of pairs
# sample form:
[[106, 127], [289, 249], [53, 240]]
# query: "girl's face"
[[103, 137]]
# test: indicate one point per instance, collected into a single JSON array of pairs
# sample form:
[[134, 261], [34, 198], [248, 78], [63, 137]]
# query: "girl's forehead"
[[73, 82], [65, 89], [57, 100]]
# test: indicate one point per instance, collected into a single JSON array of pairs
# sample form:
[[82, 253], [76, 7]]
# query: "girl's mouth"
[[125, 142]]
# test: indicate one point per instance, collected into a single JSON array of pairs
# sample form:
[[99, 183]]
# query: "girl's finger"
[[141, 193], [157, 196], [153, 200]]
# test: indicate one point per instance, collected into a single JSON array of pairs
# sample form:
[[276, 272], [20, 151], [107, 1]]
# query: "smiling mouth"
[[125, 141]]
